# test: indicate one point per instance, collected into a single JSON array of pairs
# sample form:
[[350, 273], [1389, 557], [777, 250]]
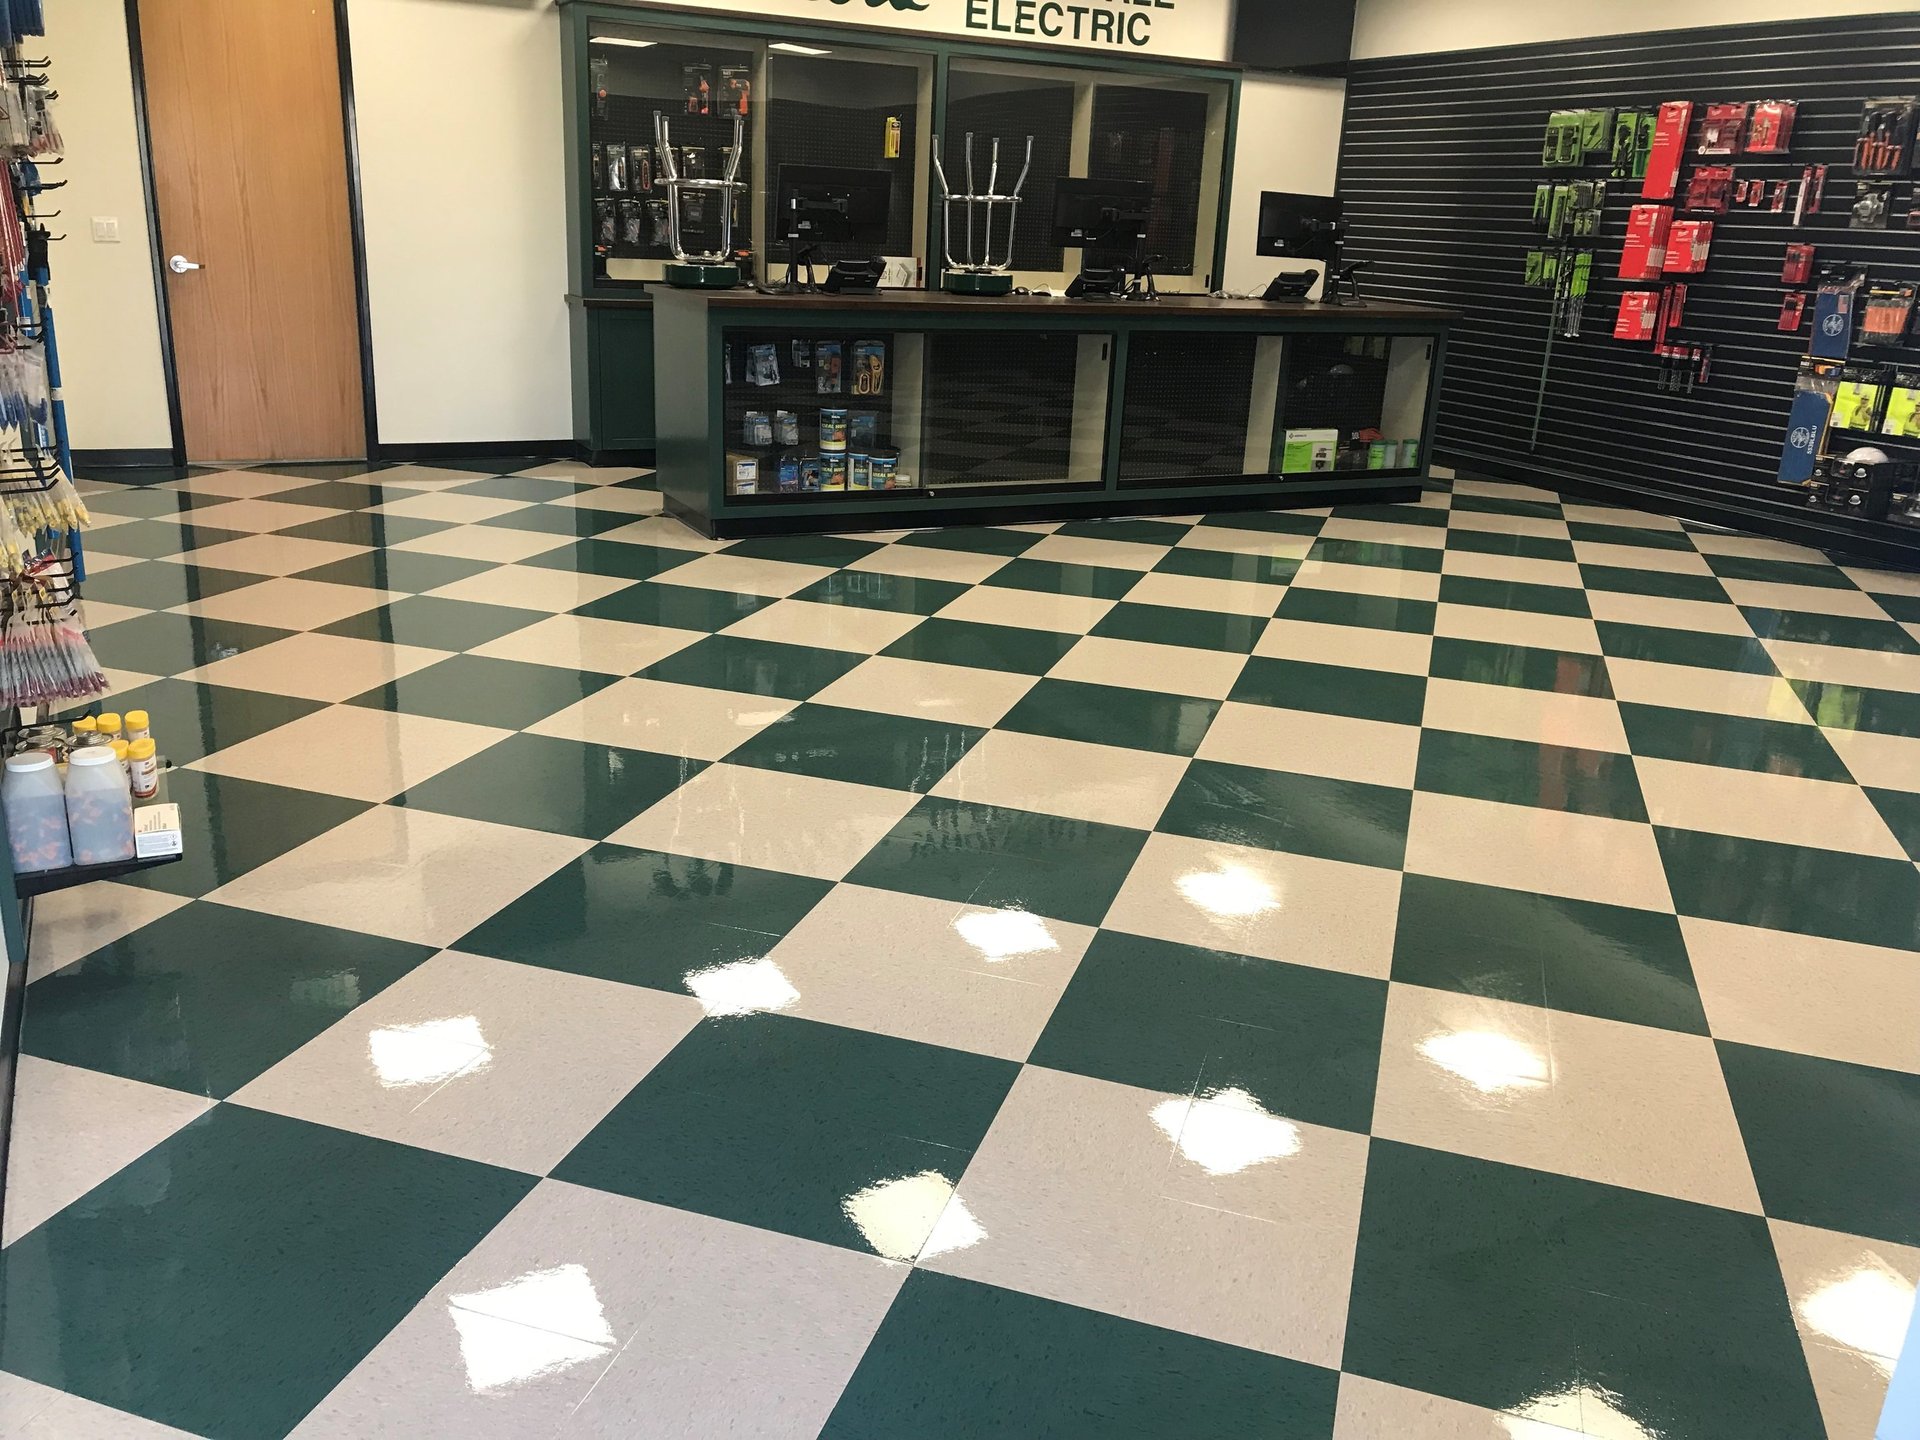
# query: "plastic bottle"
[[36, 814], [83, 728], [143, 769], [107, 725], [137, 726], [99, 807], [120, 749]]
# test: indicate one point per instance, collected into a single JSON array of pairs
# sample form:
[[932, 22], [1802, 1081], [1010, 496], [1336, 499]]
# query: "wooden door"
[[249, 168]]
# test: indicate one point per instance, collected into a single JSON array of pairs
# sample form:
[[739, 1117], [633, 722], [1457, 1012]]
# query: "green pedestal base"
[[971, 282], [703, 277]]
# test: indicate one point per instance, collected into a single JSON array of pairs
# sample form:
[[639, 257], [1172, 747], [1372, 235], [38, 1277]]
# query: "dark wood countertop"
[[930, 302]]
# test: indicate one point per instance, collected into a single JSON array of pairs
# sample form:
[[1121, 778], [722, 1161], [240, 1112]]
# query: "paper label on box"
[[156, 831]]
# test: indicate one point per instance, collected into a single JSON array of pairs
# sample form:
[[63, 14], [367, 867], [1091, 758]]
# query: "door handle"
[[180, 265]]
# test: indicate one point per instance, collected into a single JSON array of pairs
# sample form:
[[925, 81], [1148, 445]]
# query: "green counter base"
[[703, 277], [970, 282]]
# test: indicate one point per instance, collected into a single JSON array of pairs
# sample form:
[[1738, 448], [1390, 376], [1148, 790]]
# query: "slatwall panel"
[[1160, 136], [803, 132], [1439, 160], [1046, 113]]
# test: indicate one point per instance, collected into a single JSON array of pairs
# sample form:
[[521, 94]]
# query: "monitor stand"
[[1343, 285], [797, 256]]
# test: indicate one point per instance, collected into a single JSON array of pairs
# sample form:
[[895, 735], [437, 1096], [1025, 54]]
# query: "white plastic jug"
[[36, 806], [99, 807]]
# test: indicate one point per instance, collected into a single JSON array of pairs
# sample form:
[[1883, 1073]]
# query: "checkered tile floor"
[[1440, 970]]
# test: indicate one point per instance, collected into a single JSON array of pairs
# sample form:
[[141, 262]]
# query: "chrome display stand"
[[979, 273], [699, 270]]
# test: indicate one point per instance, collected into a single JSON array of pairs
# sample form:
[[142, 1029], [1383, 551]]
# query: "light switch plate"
[[106, 229]]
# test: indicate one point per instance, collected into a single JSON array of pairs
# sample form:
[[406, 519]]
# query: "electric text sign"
[[1194, 29]]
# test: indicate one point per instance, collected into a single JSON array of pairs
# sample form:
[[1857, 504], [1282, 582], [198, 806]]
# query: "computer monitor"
[[1101, 214], [831, 204], [1302, 227]]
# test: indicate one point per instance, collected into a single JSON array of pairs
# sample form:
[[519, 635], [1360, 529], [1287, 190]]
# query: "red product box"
[[1639, 315], [1721, 130], [1669, 144], [1770, 131], [1687, 245], [1646, 248], [1798, 267]]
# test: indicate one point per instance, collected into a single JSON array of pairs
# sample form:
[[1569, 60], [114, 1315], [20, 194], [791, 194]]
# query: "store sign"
[[1169, 29]]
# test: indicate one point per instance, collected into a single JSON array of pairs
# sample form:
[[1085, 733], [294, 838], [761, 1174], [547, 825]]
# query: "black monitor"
[[1101, 214], [1302, 227], [828, 204]]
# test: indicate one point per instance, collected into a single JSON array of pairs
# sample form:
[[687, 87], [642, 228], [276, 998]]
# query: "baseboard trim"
[[143, 459], [460, 449]]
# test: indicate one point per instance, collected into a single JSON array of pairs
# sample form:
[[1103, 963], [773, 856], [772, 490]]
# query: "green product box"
[[1536, 267], [1594, 125], [1542, 205], [1308, 450], [1379, 455], [1409, 454], [1903, 406]]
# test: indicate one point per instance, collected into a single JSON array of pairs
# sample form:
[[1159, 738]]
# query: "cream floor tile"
[[1493, 523], [1198, 592], [1759, 805], [1753, 547], [1640, 557], [99, 562], [239, 484], [1523, 847], [1136, 1203], [1719, 692], [581, 473], [98, 614], [505, 1064], [601, 1316], [1852, 1300], [353, 750], [1804, 599], [266, 554], [770, 820], [1885, 762], [257, 516], [1224, 539], [685, 720], [580, 642], [1882, 582], [1572, 633], [1838, 665], [406, 874], [664, 530], [1028, 609], [317, 667], [1852, 1390], [529, 587], [495, 543], [1268, 903], [1523, 569], [1503, 490], [1066, 777], [1373, 1410], [923, 690], [1714, 617], [425, 477], [927, 562], [454, 509], [1597, 1099], [73, 1128], [1317, 644], [1143, 665], [70, 925], [1513, 712], [614, 500], [1366, 580], [1306, 742], [44, 1413], [928, 970], [121, 681], [1385, 532], [1617, 515], [852, 628], [290, 603], [1813, 996], [1084, 550], [744, 575]]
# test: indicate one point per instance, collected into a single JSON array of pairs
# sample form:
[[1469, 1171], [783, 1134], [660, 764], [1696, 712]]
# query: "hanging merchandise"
[[1807, 421], [1721, 130], [1858, 398], [1886, 312], [1770, 131], [1710, 189], [1902, 420], [1872, 199], [1675, 118], [1886, 136]]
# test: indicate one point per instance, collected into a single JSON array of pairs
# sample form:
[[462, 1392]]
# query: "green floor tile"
[[1739, 742], [614, 558], [161, 584], [1900, 607], [1684, 647], [1832, 1143], [1503, 1287], [396, 570], [559, 520], [678, 607], [758, 667], [146, 502], [1503, 505], [1564, 672], [1426, 559], [1101, 582], [773, 1121], [872, 590], [328, 471], [955, 1360], [984, 647], [643, 917], [1225, 565], [224, 1282], [190, 721], [1134, 532], [1592, 959], [1177, 625], [484, 691], [1333, 690], [148, 539], [1113, 715], [563, 786], [1850, 707], [1302, 814], [229, 826], [208, 997], [1635, 535], [1663, 583], [1373, 612], [1901, 810], [990, 855], [337, 494], [861, 746], [1279, 522], [167, 644], [1780, 572], [1499, 542], [364, 528], [975, 539], [1521, 772], [830, 550], [1513, 595], [1302, 1042], [532, 488], [1790, 887], [436, 623], [1848, 630], [1434, 517]]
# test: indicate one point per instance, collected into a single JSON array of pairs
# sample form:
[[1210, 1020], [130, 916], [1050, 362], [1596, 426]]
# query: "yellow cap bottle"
[[137, 725], [108, 725], [85, 725], [143, 769]]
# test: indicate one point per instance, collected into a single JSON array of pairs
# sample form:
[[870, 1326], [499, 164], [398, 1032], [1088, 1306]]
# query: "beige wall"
[[1414, 27], [1289, 139]]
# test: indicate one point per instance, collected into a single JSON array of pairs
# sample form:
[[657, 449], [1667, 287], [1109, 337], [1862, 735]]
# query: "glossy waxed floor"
[[1432, 971]]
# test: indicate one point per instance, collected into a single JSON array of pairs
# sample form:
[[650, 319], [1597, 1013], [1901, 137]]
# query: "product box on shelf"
[[1688, 242], [1721, 129], [1770, 130], [1858, 399], [1833, 317], [1674, 119], [1308, 450], [1902, 419], [1639, 315], [1807, 421], [1645, 251]]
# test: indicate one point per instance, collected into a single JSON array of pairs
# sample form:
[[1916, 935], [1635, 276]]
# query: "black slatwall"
[[1044, 112], [804, 132], [1439, 159], [1160, 136]]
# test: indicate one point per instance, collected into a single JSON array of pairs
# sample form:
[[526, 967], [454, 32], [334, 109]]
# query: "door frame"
[[158, 246]]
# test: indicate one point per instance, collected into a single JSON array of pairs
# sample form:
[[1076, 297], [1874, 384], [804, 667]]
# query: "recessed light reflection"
[[1866, 1311], [539, 1324], [427, 1053], [1002, 934], [1487, 1060], [744, 987], [1226, 1132], [913, 1216], [1228, 890], [1579, 1410]]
